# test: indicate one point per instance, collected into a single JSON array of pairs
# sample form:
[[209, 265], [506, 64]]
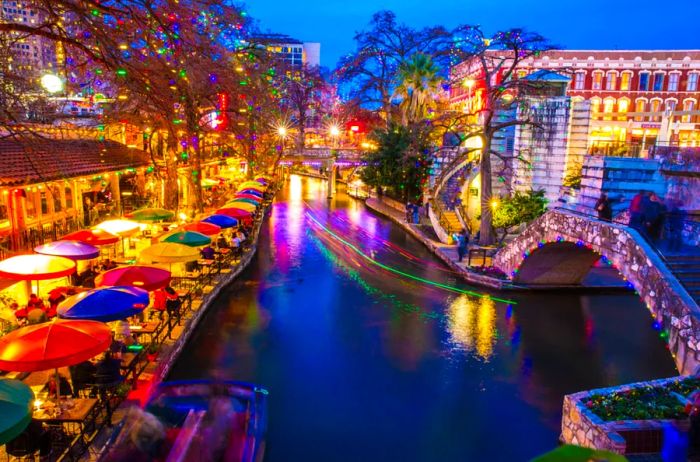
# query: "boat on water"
[[195, 420]]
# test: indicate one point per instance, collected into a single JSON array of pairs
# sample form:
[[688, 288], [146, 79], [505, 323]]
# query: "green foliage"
[[519, 208], [644, 402], [572, 180], [400, 165]]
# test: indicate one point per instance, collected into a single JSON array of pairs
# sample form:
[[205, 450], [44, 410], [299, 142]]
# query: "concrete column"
[[330, 166], [116, 191]]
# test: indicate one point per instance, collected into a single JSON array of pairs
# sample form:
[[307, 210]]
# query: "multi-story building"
[[295, 52], [637, 98], [30, 54]]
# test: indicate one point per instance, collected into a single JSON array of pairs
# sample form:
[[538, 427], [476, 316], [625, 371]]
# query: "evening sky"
[[592, 24]]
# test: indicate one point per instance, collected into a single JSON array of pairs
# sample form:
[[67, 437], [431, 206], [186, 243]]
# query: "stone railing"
[[667, 300], [325, 153]]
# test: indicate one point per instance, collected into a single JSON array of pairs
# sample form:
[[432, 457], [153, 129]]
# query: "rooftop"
[[39, 160]]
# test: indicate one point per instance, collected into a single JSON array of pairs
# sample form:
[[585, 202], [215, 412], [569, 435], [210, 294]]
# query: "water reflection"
[[472, 325]]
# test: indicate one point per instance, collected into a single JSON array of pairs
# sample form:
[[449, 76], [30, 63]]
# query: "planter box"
[[582, 427]]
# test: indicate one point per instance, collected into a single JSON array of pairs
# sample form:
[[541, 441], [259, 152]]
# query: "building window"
[[579, 81], [673, 80], [69, 197], [611, 81], [688, 105], [30, 207], [670, 105], [623, 105], [597, 80], [643, 81], [640, 106], [608, 106], [658, 82], [625, 80], [655, 107], [692, 82], [44, 203], [595, 105]]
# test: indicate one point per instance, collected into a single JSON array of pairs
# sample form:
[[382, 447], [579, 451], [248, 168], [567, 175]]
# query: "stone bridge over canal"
[[560, 247], [328, 158]]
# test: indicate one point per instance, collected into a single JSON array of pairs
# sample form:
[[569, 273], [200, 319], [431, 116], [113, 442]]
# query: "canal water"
[[374, 351]]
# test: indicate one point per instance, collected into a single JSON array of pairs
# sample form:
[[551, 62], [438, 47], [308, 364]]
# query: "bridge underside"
[[556, 264]]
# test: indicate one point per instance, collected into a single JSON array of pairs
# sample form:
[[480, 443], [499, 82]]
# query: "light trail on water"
[[393, 270]]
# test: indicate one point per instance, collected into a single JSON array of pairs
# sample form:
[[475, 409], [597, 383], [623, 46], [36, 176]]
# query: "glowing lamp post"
[[52, 83]]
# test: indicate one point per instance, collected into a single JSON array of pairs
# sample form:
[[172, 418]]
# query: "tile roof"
[[39, 160]]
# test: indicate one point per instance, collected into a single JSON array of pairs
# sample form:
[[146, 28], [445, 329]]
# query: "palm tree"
[[419, 82]]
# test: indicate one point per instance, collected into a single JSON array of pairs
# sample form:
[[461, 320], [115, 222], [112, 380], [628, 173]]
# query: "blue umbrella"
[[250, 191], [222, 221], [104, 304], [16, 400]]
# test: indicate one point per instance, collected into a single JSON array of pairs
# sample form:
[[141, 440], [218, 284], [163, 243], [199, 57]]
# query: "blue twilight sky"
[[591, 24]]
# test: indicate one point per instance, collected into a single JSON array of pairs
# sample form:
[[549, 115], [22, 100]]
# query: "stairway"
[[686, 268], [453, 223]]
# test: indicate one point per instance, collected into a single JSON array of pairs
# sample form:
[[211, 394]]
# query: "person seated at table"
[[221, 242], [207, 253], [34, 438], [172, 302], [122, 332], [82, 375], [108, 265], [36, 316], [108, 370], [50, 387], [35, 302], [158, 305], [56, 296], [20, 313]]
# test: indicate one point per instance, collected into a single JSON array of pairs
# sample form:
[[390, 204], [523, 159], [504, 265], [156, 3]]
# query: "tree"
[[418, 88], [301, 93], [400, 165], [492, 63], [517, 209], [370, 72]]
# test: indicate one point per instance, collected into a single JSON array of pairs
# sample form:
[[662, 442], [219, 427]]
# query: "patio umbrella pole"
[[58, 390]]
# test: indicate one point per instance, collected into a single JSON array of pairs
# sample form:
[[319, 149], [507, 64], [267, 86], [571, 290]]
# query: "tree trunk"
[[192, 117], [171, 192], [486, 234], [301, 142]]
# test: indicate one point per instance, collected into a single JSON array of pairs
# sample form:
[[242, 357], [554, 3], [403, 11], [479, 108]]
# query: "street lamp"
[[52, 83], [334, 131]]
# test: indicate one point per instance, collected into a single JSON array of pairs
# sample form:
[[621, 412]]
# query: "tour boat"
[[204, 421]]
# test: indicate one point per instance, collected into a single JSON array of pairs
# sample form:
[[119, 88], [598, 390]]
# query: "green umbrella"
[[189, 238], [151, 214], [571, 453], [16, 402], [243, 199]]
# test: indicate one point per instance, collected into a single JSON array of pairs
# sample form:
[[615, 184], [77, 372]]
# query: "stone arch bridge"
[[560, 247], [328, 158]]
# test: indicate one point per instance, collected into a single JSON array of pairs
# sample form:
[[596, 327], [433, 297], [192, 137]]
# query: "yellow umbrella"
[[241, 205], [252, 185], [122, 228], [169, 252]]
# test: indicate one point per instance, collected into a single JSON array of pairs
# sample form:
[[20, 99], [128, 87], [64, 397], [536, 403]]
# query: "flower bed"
[[643, 403]]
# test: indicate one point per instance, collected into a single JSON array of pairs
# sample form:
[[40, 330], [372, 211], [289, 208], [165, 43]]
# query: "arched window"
[[640, 106], [597, 80], [608, 107], [611, 81], [595, 105], [623, 106], [688, 105], [656, 109], [625, 81]]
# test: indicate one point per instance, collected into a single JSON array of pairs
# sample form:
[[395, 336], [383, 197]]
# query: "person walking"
[[409, 211], [657, 216], [604, 208], [635, 210], [462, 244], [416, 212]]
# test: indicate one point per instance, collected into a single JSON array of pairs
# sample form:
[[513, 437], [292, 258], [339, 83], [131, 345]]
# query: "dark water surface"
[[366, 363]]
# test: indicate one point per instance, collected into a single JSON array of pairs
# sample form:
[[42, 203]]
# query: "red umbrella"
[[208, 229], [149, 278], [52, 345], [234, 212], [92, 237], [239, 214], [36, 267]]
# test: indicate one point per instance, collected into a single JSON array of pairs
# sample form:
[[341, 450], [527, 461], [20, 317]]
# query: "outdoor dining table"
[[72, 411], [145, 328]]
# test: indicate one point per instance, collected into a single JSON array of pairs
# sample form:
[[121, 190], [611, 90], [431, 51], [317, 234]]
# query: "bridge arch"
[[557, 247]]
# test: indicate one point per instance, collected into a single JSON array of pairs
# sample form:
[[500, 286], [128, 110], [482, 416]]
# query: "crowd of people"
[[651, 216]]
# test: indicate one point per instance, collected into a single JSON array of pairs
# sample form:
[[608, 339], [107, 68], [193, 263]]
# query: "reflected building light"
[[472, 325]]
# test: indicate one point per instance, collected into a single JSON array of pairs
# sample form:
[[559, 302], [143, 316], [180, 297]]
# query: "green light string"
[[401, 273]]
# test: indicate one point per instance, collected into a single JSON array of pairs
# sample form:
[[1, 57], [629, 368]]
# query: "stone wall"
[[582, 427], [664, 296]]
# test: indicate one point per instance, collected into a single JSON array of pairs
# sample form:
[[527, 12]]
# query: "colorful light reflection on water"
[[364, 365]]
